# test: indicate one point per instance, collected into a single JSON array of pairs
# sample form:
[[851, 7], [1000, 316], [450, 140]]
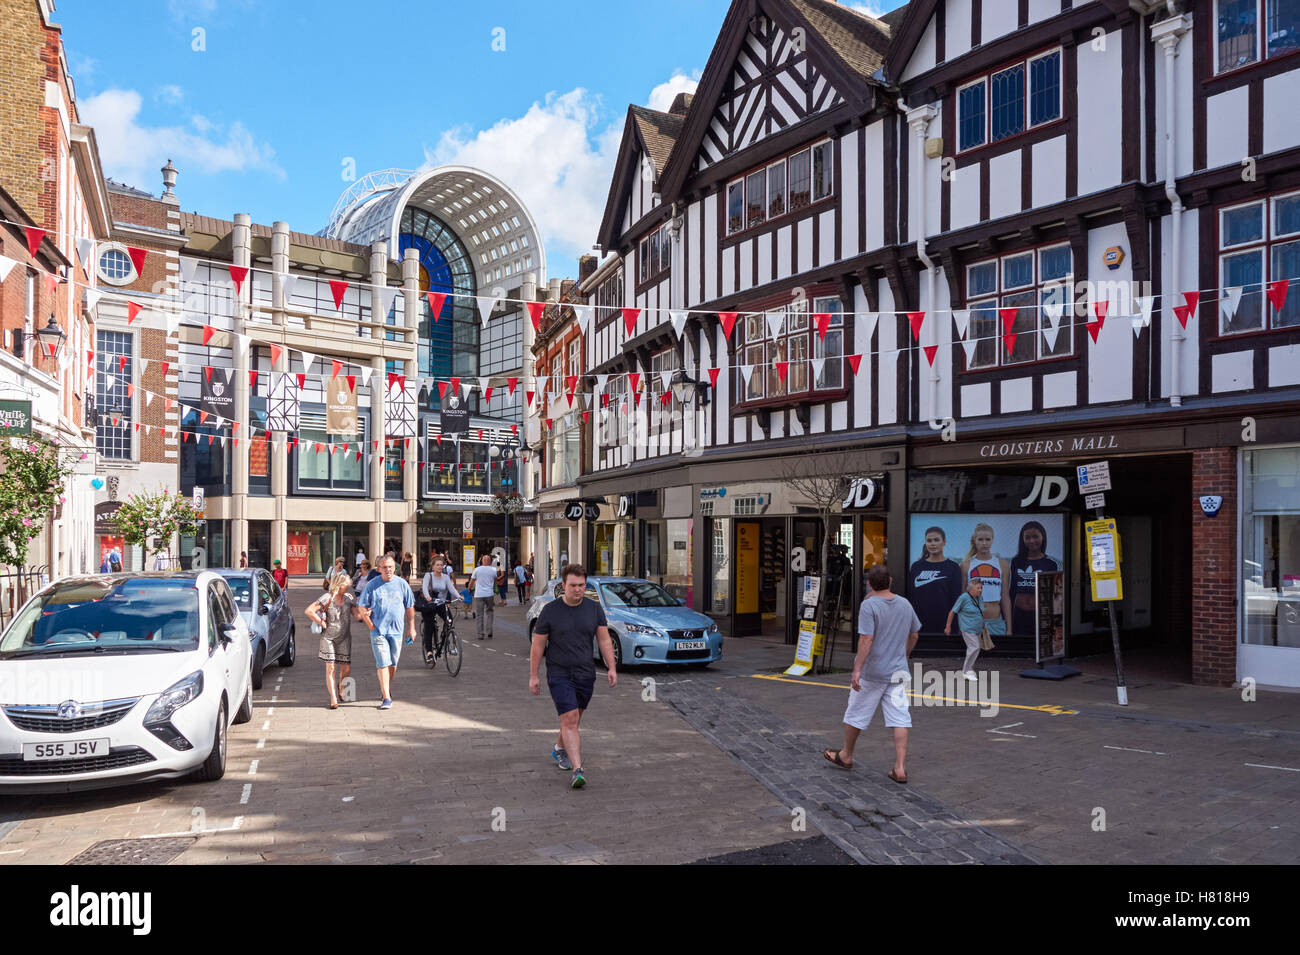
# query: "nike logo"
[[927, 577]]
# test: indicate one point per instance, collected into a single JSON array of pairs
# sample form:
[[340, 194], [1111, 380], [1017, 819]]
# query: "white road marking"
[[270, 711], [349, 798], [261, 743], [1000, 730], [252, 768], [266, 725], [509, 654], [11, 852], [243, 796], [1149, 752], [275, 699], [1286, 769]]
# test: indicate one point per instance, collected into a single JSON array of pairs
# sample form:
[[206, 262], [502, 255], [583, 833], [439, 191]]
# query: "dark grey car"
[[265, 608]]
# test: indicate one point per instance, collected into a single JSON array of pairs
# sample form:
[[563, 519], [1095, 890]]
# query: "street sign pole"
[[1094, 481], [1121, 691]]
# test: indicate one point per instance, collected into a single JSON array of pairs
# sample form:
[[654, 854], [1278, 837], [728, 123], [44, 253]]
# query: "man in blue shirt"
[[383, 604]]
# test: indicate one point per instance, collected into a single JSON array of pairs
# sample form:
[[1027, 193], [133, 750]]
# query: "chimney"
[[553, 292], [681, 104], [169, 183], [586, 266]]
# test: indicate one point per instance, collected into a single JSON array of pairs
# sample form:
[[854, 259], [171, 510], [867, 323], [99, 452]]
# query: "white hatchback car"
[[121, 678]]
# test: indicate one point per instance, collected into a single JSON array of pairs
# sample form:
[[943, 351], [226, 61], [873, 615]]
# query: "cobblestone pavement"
[[874, 820], [425, 781]]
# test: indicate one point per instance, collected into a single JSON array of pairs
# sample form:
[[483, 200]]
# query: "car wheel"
[[618, 649], [245, 711], [214, 767], [290, 652], [259, 664]]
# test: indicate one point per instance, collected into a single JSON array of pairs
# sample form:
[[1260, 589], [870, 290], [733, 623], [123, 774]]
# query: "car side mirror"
[[264, 609], [226, 632]]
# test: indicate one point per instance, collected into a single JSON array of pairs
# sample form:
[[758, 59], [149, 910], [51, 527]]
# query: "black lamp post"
[[52, 336]]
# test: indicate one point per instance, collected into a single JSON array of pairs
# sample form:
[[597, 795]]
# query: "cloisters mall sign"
[[15, 417]]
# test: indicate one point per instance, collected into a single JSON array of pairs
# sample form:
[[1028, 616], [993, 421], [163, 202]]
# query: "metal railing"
[[17, 586]]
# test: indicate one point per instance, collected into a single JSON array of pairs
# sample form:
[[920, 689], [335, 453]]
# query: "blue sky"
[[272, 103]]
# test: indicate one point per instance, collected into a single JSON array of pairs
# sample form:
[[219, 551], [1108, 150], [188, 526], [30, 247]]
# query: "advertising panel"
[[1002, 551], [297, 563]]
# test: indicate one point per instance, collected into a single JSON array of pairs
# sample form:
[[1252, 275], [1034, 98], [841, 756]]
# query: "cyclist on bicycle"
[[439, 591]]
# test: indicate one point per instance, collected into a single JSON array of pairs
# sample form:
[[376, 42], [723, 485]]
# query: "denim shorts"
[[387, 649], [570, 689]]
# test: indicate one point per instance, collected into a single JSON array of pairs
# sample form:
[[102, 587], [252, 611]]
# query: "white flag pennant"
[[1231, 299], [961, 318], [584, 313], [968, 346], [679, 322], [666, 379], [601, 382], [1050, 331], [817, 365], [1053, 311], [1144, 303], [483, 385], [1138, 325], [243, 341], [173, 322], [745, 372], [188, 268], [109, 381], [148, 398], [144, 366], [486, 306], [287, 282], [307, 360], [366, 372], [869, 320], [775, 321], [386, 294], [92, 295], [85, 249], [6, 266]]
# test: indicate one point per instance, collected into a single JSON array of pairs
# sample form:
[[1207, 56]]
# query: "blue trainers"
[[561, 758], [386, 705], [579, 780]]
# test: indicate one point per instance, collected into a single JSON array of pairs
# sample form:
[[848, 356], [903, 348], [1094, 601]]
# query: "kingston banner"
[[340, 407], [218, 397]]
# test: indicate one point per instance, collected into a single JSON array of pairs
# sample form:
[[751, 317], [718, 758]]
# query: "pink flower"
[[27, 522]]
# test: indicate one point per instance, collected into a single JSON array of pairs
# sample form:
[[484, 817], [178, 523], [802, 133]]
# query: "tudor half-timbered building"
[[973, 245]]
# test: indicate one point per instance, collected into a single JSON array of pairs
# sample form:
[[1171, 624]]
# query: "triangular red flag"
[[293, 444], [338, 287], [823, 320], [442, 390], [276, 352], [352, 382], [1008, 316], [1009, 339], [358, 455], [130, 390], [137, 259], [713, 376], [439, 437], [634, 379], [435, 303], [317, 448], [34, 237], [252, 379], [570, 396], [666, 397], [528, 398], [604, 400], [234, 426], [1094, 328], [571, 383], [782, 369], [932, 350], [1191, 298], [728, 320], [132, 310], [165, 366], [395, 377], [455, 386], [237, 275], [1183, 313], [302, 380], [211, 438], [207, 372], [51, 283], [535, 310], [512, 383], [548, 424], [487, 393], [629, 320], [208, 332], [121, 363], [586, 416], [514, 429], [1277, 293], [236, 441], [203, 417], [637, 399], [167, 404], [854, 362], [336, 366], [916, 319]]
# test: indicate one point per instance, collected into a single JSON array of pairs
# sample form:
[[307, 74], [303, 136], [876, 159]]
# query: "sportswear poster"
[[1002, 551]]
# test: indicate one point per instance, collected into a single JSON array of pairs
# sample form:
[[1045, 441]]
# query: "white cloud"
[[134, 153], [554, 159], [170, 94], [870, 9], [661, 97]]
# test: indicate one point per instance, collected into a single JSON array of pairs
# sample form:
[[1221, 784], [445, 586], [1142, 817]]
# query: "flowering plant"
[[33, 480]]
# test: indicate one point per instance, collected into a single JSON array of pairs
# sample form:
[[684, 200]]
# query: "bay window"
[[785, 185], [1029, 282], [1244, 28], [789, 334], [1009, 101], [1259, 243]]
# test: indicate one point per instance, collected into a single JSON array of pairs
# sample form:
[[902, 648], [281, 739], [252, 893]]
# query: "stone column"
[[411, 475], [529, 427], [241, 254], [378, 385], [281, 463]]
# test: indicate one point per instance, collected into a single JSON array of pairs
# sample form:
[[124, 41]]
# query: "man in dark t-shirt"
[[563, 634]]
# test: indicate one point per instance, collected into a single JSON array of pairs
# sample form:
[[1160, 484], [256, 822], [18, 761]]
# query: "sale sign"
[[297, 554]]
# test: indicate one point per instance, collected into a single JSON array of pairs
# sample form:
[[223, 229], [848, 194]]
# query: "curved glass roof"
[[491, 224]]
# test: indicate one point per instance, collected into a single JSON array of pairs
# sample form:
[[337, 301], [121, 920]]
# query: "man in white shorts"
[[887, 632]]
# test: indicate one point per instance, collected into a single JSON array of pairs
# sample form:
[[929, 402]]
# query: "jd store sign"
[[865, 493]]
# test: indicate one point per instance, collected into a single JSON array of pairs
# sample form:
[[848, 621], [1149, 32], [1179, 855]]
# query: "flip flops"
[[833, 756], [902, 780]]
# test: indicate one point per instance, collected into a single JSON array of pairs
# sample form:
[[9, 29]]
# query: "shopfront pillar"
[[411, 469], [279, 463], [241, 255]]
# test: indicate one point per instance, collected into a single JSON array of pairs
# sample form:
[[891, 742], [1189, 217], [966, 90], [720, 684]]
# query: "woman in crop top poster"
[[993, 572], [1031, 558]]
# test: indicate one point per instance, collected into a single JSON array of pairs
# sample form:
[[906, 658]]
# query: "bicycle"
[[446, 644]]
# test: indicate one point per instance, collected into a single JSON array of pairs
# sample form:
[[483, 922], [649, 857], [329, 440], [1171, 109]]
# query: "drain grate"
[[133, 852]]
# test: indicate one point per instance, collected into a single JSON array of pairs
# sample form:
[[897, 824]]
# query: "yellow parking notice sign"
[[1104, 559], [805, 649]]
